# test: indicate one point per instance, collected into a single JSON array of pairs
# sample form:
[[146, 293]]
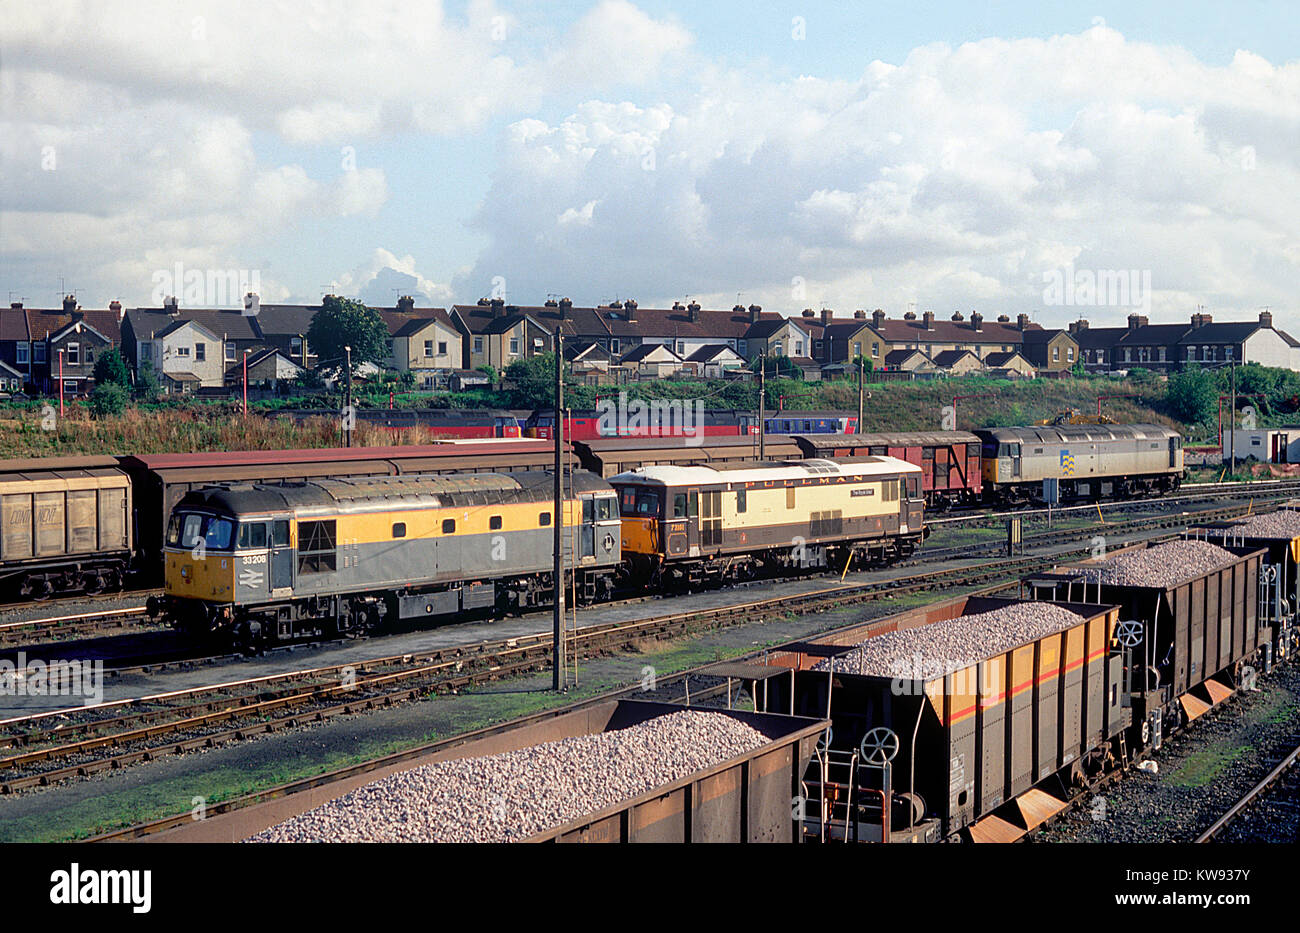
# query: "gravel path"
[[1163, 565], [942, 647], [514, 795]]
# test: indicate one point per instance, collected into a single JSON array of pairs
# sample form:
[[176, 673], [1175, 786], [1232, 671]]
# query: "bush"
[[108, 399], [111, 368], [1192, 395]]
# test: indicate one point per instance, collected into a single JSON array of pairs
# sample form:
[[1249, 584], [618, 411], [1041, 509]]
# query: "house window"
[[1207, 353], [1162, 354], [681, 348], [478, 344], [230, 353], [22, 351], [613, 344], [538, 344], [817, 347], [740, 347], [200, 352], [1069, 354], [442, 348], [183, 351], [295, 345], [776, 349], [90, 355], [798, 348], [146, 351], [514, 346], [1128, 358], [428, 348], [1101, 356], [1056, 354], [1191, 353], [1229, 352], [74, 354], [38, 351]]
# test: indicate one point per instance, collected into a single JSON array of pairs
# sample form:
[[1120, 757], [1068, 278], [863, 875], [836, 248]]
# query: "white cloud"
[[958, 176], [384, 277]]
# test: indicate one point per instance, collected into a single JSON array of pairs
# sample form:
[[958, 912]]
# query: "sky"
[[903, 156]]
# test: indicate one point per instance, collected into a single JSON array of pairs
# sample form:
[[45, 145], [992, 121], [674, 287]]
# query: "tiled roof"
[[285, 320], [1226, 332], [590, 323], [711, 351], [947, 358], [999, 360], [409, 323], [899, 357], [13, 324], [1154, 334], [898, 331], [636, 354], [226, 323]]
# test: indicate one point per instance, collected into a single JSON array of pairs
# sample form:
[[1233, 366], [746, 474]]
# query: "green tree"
[[111, 368], [342, 322], [109, 398], [491, 372], [534, 380], [1192, 395], [147, 386]]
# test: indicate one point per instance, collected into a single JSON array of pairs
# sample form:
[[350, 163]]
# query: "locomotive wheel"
[[39, 588]]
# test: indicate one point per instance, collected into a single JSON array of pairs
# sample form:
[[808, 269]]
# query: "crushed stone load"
[[513, 795], [943, 647], [1163, 565], [1284, 524]]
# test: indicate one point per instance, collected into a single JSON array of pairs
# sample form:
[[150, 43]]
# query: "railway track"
[[55, 629], [41, 632], [137, 729], [1283, 782]]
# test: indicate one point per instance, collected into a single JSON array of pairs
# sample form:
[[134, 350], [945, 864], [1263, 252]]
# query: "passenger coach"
[[692, 524]]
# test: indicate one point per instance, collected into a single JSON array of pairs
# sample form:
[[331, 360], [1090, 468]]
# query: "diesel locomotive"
[[261, 563]]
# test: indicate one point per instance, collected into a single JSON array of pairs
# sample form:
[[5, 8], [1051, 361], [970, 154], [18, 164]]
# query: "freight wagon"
[[1187, 642], [744, 799], [65, 526], [951, 474], [442, 422], [609, 456], [964, 751]]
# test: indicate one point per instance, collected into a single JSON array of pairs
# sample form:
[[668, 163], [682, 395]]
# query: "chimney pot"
[[115, 306], [909, 316], [630, 307], [252, 305], [754, 312], [69, 304], [738, 309], [826, 316], [406, 303], [172, 305], [550, 303], [877, 316], [860, 315], [1022, 321], [16, 305], [483, 303], [498, 307], [1003, 319], [678, 306], [693, 311], [958, 316], [1079, 326], [977, 321], [1266, 318], [809, 313], [928, 318]]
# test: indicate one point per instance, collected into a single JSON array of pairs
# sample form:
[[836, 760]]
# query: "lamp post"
[[245, 383], [347, 423], [557, 523], [60, 383]]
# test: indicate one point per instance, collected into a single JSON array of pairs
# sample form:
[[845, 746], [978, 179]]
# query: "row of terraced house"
[[205, 350]]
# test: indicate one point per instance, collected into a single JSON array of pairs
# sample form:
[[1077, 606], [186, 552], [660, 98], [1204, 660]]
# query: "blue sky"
[[509, 142]]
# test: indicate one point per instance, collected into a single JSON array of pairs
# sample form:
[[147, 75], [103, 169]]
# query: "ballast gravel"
[[513, 795], [1284, 524], [1163, 565], [943, 647]]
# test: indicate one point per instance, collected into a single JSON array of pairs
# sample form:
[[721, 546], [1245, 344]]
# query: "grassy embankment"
[[205, 426]]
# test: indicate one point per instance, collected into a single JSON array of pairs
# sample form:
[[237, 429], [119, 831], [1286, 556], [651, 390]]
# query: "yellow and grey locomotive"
[[273, 562], [692, 524]]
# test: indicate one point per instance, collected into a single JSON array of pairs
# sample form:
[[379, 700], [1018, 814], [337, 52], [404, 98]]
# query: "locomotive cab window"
[[605, 509], [789, 497], [399, 529], [252, 535], [280, 533], [741, 504], [889, 490], [679, 505]]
